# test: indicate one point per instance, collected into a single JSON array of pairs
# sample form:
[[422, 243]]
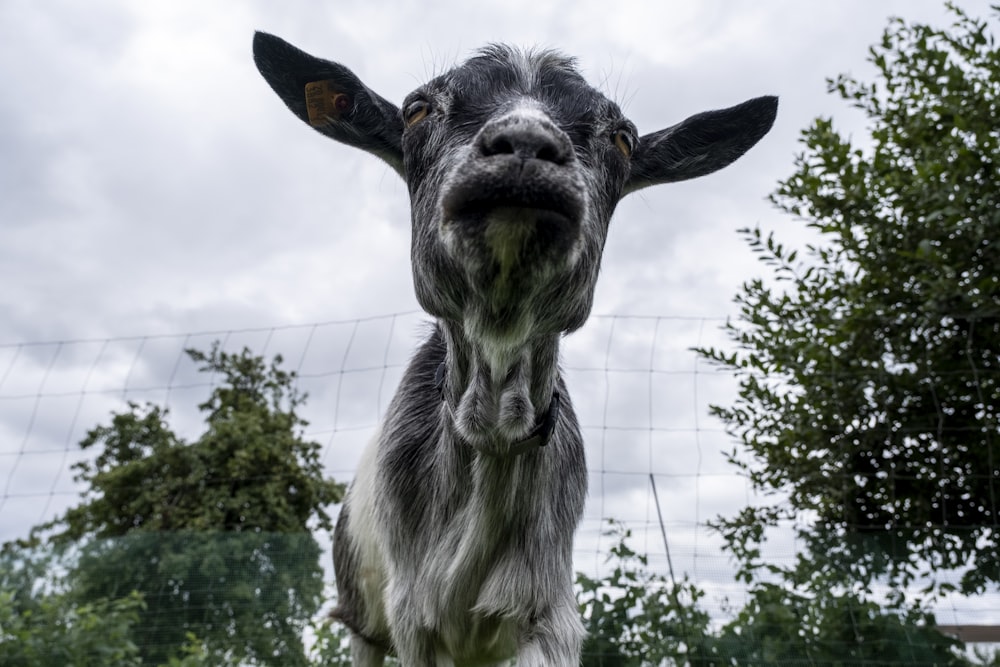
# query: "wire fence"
[[641, 394]]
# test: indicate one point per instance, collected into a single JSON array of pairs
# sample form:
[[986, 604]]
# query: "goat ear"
[[331, 99], [701, 144]]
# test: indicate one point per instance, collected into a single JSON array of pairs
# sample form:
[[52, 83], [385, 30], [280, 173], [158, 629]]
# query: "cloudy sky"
[[155, 194]]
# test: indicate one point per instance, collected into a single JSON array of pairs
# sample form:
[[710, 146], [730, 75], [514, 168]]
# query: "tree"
[[42, 625], [869, 375], [214, 534], [635, 617], [779, 626]]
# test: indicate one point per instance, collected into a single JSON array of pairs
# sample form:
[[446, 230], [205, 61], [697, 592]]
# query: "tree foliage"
[[781, 627], [636, 617], [57, 631], [42, 625], [214, 534], [869, 373], [250, 470]]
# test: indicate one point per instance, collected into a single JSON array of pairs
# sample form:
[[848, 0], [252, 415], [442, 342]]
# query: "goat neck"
[[498, 397]]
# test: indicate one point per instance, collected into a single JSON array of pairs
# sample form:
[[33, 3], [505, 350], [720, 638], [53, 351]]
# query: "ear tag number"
[[325, 103]]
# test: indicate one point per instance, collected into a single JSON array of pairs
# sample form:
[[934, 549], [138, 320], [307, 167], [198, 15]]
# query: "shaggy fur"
[[454, 544]]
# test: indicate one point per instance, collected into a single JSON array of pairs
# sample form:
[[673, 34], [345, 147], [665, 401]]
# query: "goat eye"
[[624, 141], [416, 111]]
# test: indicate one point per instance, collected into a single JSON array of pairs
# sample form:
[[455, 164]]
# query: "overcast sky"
[[151, 184]]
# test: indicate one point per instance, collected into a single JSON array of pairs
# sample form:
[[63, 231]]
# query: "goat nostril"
[[551, 153], [527, 143], [500, 146]]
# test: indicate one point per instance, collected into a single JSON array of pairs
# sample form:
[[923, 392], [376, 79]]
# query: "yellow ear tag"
[[324, 103]]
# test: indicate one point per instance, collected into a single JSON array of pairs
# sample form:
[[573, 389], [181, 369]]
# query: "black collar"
[[538, 437]]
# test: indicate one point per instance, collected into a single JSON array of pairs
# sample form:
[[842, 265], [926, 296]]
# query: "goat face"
[[513, 172], [514, 166]]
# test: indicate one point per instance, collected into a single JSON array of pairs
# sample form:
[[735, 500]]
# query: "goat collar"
[[537, 438]]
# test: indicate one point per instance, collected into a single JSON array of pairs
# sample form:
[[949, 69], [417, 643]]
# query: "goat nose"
[[528, 139]]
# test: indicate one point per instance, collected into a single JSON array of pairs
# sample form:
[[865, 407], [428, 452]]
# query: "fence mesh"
[[641, 395]]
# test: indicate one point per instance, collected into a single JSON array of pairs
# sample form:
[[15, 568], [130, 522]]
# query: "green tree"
[[636, 617], [779, 626], [869, 374], [214, 534], [41, 625]]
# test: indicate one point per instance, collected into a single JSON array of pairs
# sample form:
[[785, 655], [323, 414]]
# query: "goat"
[[454, 543]]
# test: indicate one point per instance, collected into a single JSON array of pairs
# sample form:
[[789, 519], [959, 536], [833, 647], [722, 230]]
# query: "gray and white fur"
[[454, 543]]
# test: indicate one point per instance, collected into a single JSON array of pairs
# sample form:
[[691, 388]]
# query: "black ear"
[[331, 99], [701, 144]]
